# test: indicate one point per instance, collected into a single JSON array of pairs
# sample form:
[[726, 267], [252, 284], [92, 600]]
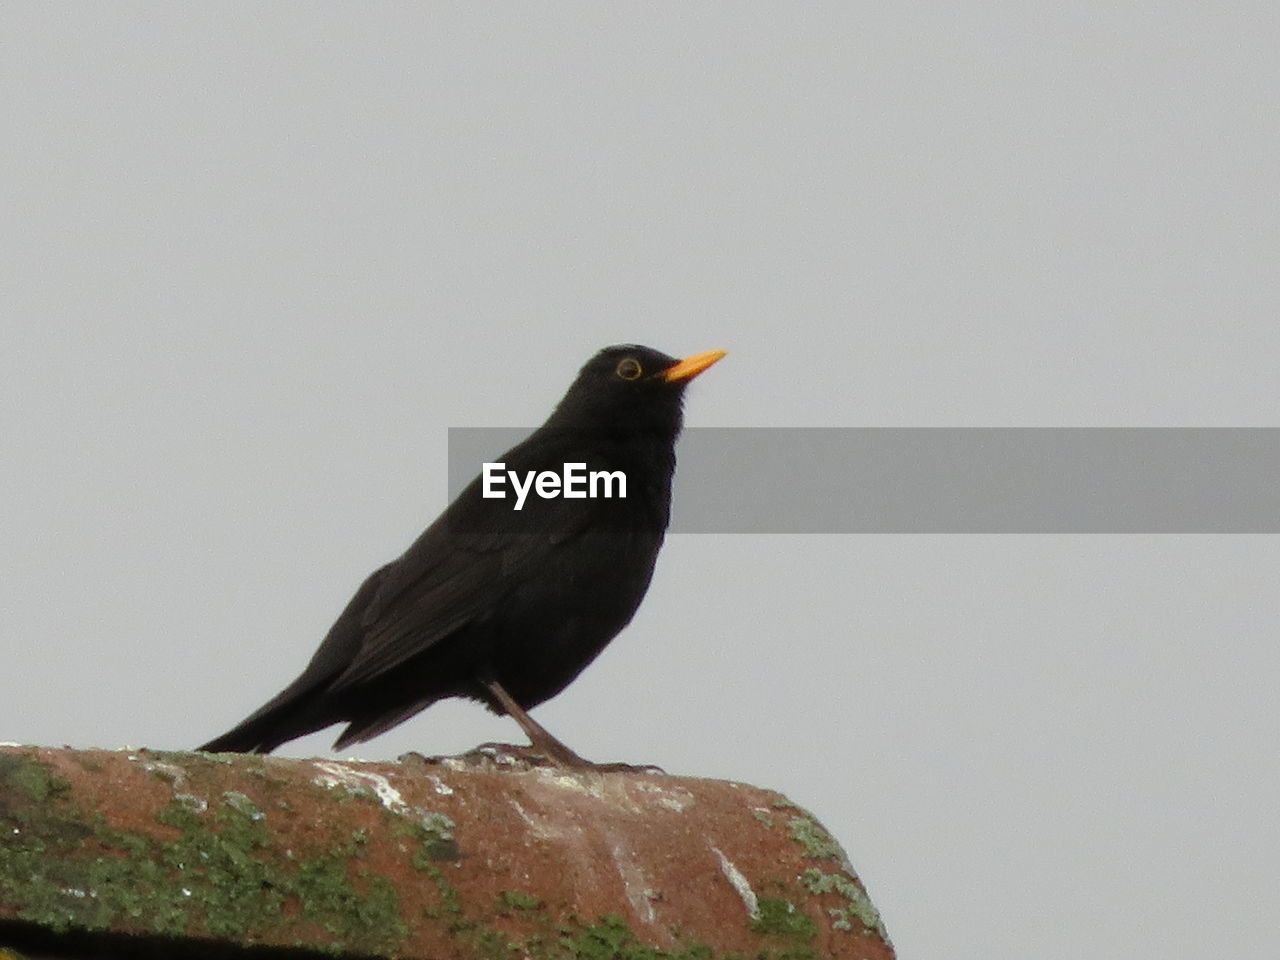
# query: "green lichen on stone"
[[433, 834], [860, 908], [608, 938], [369, 917], [775, 915], [450, 907], [242, 804], [167, 776], [63, 869], [342, 793], [189, 758], [31, 777], [219, 871], [611, 939], [517, 900], [32, 826], [216, 867], [476, 937], [815, 840]]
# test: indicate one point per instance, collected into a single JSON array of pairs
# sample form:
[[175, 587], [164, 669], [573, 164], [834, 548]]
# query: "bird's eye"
[[629, 369]]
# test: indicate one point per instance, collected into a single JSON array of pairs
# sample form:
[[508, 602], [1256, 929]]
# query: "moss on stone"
[[213, 877], [31, 777], [450, 907], [609, 938], [214, 866], [517, 900], [433, 835], [859, 908], [775, 915], [815, 840]]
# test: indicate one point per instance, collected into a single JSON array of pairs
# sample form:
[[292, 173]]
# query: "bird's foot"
[[510, 756], [618, 766], [562, 757]]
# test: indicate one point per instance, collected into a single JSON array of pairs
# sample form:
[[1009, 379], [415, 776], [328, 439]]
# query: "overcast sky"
[[257, 259]]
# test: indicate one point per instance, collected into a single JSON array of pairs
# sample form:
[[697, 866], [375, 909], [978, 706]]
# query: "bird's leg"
[[538, 735]]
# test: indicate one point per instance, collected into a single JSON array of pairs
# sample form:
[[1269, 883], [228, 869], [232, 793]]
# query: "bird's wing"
[[455, 573]]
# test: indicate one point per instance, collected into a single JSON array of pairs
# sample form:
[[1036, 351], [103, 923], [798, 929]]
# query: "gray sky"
[[257, 259]]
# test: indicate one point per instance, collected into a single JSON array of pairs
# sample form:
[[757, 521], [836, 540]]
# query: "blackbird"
[[501, 605]]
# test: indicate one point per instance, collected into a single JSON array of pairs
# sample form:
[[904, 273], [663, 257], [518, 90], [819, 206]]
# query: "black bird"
[[500, 605]]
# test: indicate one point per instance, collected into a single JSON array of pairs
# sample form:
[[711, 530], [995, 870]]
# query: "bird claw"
[[510, 756]]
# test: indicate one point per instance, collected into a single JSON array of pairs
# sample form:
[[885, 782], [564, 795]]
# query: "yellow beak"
[[690, 367]]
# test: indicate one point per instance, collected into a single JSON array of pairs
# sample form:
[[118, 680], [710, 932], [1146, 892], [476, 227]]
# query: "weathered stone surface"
[[482, 856]]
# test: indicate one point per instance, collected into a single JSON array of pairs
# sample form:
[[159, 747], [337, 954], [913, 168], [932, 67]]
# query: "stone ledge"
[[137, 853]]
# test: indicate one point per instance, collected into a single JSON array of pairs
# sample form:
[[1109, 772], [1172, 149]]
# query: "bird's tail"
[[251, 736], [290, 714]]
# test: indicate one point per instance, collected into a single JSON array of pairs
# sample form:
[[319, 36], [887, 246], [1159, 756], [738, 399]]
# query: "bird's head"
[[630, 387]]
